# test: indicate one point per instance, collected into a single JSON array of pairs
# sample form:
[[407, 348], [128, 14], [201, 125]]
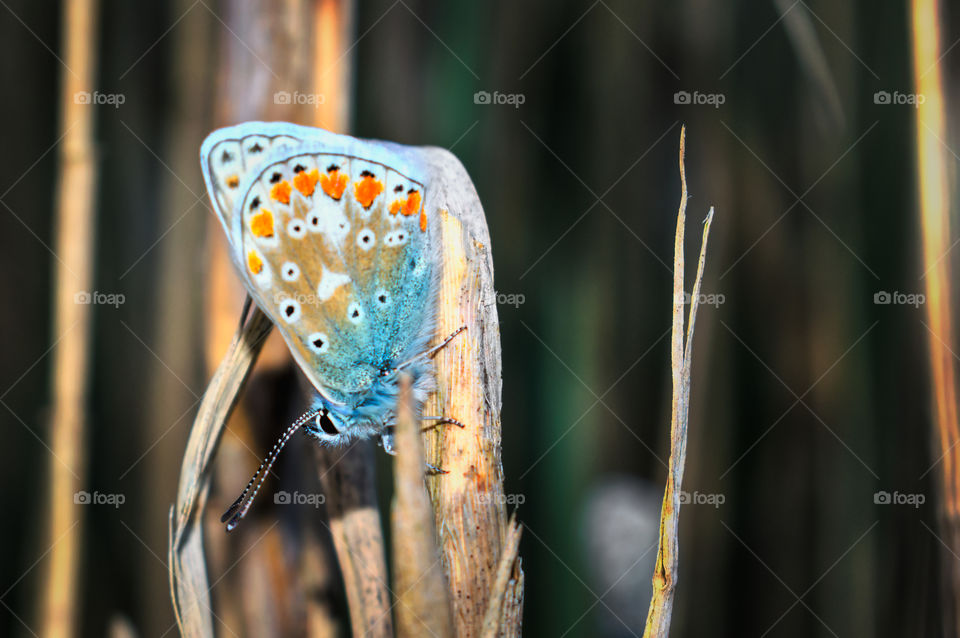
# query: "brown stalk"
[[681, 351], [189, 585], [471, 519], [75, 220], [422, 602], [934, 192]]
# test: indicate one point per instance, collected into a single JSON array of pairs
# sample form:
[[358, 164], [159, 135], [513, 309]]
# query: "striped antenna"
[[240, 506]]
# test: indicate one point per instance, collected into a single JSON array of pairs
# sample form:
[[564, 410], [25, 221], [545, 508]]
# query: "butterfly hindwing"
[[337, 249], [228, 155]]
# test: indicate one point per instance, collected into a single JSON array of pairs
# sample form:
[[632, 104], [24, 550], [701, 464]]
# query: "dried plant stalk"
[[934, 191], [74, 275], [471, 519], [188, 574], [422, 605], [681, 354]]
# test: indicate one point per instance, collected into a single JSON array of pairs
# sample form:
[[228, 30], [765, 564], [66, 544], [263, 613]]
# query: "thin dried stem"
[[934, 190], [422, 605], [188, 576], [75, 221], [665, 572]]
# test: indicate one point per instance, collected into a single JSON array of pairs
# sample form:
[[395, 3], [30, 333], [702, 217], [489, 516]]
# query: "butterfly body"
[[335, 240]]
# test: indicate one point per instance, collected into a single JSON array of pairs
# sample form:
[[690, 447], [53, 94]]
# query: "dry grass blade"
[[493, 620], [74, 267], [471, 518], [664, 576], [933, 178], [188, 576], [423, 605], [348, 481]]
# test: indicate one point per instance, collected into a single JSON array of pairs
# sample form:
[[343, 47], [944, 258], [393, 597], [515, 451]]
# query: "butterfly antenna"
[[432, 351], [239, 509]]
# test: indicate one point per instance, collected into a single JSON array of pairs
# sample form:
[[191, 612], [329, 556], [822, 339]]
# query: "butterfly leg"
[[441, 420], [386, 439]]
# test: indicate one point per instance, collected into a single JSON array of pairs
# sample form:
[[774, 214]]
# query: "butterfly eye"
[[325, 423], [318, 342], [366, 239], [290, 310], [296, 229], [291, 272], [355, 313]]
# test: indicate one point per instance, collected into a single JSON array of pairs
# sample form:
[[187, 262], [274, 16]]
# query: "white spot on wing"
[[318, 342], [329, 283], [290, 272], [366, 239]]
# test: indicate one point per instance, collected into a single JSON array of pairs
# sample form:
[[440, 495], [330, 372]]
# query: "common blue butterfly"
[[335, 240]]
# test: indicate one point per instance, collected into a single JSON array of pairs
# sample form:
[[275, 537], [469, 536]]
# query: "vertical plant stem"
[[933, 185], [75, 221], [423, 606], [665, 572]]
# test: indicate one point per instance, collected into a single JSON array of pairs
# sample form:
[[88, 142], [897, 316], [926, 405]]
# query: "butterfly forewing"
[[336, 249]]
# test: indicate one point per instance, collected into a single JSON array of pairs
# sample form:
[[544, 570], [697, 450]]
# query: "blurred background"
[[813, 467]]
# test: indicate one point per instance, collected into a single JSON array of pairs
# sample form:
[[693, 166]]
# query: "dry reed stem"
[[422, 605], [189, 587], [75, 221], [665, 572], [494, 619], [934, 192], [471, 518]]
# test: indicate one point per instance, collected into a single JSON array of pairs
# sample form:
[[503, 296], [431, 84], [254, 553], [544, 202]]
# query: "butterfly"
[[335, 239]]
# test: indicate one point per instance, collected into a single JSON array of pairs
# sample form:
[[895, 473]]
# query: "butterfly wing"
[[335, 246], [229, 154]]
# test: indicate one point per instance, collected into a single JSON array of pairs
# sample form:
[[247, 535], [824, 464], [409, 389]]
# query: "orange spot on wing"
[[334, 183], [423, 219], [412, 205], [306, 182], [261, 224], [396, 206], [367, 189], [281, 192], [233, 181], [254, 263]]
